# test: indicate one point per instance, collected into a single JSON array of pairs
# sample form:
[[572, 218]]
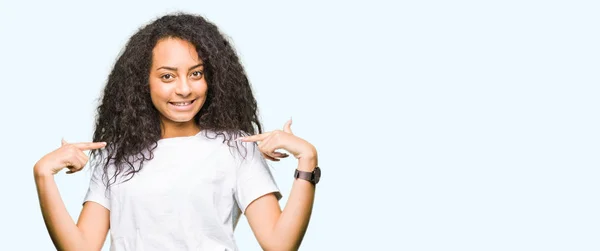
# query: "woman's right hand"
[[68, 155]]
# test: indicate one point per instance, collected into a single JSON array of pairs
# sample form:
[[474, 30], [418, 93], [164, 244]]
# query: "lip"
[[182, 108]]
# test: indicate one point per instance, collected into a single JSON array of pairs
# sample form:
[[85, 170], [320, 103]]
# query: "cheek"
[[157, 91], [201, 88]]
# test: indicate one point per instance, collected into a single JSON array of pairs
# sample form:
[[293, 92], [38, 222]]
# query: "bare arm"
[[91, 230], [277, 230], [274, 229], [88, 234]]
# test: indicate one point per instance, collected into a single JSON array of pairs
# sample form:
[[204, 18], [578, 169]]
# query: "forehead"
[[174, 51]]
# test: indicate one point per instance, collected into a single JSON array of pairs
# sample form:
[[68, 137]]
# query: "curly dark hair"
[[128, 121]]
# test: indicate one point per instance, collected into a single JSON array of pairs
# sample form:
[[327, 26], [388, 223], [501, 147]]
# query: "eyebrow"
[[175, 69]]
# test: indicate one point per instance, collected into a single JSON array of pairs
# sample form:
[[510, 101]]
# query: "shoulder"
[[102, 166], [223, 135], [230, 141], [227, 138]]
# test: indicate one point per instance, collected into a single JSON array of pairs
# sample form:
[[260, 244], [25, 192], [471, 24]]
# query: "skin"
[[273, 228], [177, 76]]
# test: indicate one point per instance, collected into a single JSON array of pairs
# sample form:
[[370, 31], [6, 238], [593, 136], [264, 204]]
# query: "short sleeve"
[[254, 179], [97, 189]]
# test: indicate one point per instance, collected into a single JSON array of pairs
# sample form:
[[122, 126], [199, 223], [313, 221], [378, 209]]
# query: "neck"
[[170, 130]]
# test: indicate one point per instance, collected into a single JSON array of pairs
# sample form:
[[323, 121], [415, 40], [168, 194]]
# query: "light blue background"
[[441, 125]]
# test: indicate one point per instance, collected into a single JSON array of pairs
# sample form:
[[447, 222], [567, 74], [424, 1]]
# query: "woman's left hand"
[[284, 139]]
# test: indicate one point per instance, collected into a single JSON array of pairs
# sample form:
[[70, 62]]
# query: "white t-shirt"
[[189, 197]]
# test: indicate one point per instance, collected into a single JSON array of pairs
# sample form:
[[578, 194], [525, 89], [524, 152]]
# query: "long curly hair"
[[128, 121]]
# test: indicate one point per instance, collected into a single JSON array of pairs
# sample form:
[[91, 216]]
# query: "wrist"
[[307, 164], [39, 173], [309, 158]]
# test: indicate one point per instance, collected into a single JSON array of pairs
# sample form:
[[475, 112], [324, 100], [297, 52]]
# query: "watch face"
[[317, 175]]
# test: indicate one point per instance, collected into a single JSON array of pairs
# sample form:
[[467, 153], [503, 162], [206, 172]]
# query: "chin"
[[182, 119]]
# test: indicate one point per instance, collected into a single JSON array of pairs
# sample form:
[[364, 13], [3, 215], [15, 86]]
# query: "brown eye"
[[197, 74], [167, 77]]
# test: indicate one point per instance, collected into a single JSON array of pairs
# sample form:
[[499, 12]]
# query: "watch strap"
[[312, 177], [304, 175]]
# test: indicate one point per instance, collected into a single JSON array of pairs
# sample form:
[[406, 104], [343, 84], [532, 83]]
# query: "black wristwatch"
[[312, 177]]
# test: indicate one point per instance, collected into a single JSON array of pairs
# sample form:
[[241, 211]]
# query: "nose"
[[183, 87]]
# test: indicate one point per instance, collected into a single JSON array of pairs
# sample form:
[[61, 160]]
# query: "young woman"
[[178, 153]]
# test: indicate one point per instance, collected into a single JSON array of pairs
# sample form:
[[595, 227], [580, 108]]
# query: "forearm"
[[62, 229], [293, 221]]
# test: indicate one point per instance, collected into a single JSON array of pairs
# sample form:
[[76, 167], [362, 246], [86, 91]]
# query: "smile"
[[183, 103], [182, 106]]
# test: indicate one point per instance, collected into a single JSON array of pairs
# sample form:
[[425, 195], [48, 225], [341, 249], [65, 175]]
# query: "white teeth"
[[181, 103]]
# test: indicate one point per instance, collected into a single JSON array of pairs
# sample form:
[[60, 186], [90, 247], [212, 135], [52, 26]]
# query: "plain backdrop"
[[440, 125]]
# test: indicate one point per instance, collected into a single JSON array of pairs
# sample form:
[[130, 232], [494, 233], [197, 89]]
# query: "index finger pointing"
[[89, 145], [254, 138]]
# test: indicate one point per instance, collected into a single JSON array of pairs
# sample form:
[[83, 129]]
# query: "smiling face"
[[178, 87]]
